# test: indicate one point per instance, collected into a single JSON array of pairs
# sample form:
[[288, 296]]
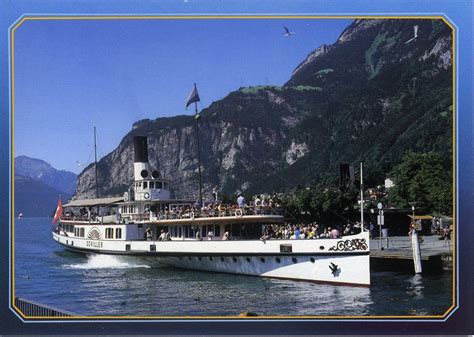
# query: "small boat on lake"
[[147, 222]]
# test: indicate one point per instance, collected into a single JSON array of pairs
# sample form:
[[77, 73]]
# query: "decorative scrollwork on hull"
[[349, 245]]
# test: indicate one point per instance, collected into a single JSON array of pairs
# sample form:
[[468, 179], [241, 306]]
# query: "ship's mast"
[[196, 117], [95, 161]]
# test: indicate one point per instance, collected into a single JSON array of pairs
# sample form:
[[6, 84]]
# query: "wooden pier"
[[395, 254]]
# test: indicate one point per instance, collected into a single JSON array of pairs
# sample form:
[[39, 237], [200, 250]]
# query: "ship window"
[[159, 184], [210, 258], [235, 259], [127, 247], [312, 259], [152, 248], [152, 184], [109, 233], [294, 260], [222, 259], [189, 258], [248, 259], [118, 233], [262, 259], [82, 233], [278, 260], [186, 231], [145, 184], [180, 232]]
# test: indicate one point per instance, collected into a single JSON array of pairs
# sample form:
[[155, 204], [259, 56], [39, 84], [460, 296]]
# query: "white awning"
[[94, 202]]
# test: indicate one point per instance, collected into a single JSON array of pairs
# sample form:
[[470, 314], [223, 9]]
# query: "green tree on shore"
[[326, 205], [421, 178]]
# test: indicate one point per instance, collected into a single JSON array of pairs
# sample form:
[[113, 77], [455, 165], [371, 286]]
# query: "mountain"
[[34, 198], [38, 186], [41, 171], [371, 96]]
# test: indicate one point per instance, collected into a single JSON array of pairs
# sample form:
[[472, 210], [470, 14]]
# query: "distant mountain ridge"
[[38, 186], [370, 96], [40, 170]]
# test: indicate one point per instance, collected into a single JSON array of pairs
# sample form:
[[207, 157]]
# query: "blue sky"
[[72, 75]]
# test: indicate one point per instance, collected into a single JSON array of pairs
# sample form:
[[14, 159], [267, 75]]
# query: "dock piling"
[[415, 243]]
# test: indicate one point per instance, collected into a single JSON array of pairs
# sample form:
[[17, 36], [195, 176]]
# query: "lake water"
[[124, 286]]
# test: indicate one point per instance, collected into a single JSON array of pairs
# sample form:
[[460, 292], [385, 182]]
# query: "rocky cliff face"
[[370, 96]]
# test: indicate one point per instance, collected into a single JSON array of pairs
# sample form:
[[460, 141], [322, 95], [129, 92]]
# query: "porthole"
[[278, 260], [262, 260], [294, 260], [222, 259], [235, 259], [210, 258], [248, 259], [321, 247], [199, 258], [312, 260]]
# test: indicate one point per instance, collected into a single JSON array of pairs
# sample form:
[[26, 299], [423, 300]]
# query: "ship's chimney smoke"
[[140, 149]]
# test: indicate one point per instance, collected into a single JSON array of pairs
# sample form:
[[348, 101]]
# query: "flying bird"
[[287, 31], [415, 34]]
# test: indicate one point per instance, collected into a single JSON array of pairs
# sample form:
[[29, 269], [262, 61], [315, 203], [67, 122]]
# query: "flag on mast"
[[59, 210], [193, 96]]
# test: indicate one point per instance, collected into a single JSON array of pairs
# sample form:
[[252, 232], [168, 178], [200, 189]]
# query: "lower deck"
[[338, 261]]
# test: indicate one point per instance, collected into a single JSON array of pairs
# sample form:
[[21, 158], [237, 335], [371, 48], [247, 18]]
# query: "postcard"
[[281, 167]]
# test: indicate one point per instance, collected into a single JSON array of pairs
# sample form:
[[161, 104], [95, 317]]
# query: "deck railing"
[[34, 309]]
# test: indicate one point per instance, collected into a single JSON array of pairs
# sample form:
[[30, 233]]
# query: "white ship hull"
[[339, 261]]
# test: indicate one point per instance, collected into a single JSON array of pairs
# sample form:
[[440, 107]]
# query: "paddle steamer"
[[147, 222]]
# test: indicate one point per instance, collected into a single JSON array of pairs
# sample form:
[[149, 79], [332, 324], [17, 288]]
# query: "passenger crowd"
[[308, 231], [259, 205]]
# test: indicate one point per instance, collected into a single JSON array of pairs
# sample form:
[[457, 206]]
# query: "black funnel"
[[140, 149]]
